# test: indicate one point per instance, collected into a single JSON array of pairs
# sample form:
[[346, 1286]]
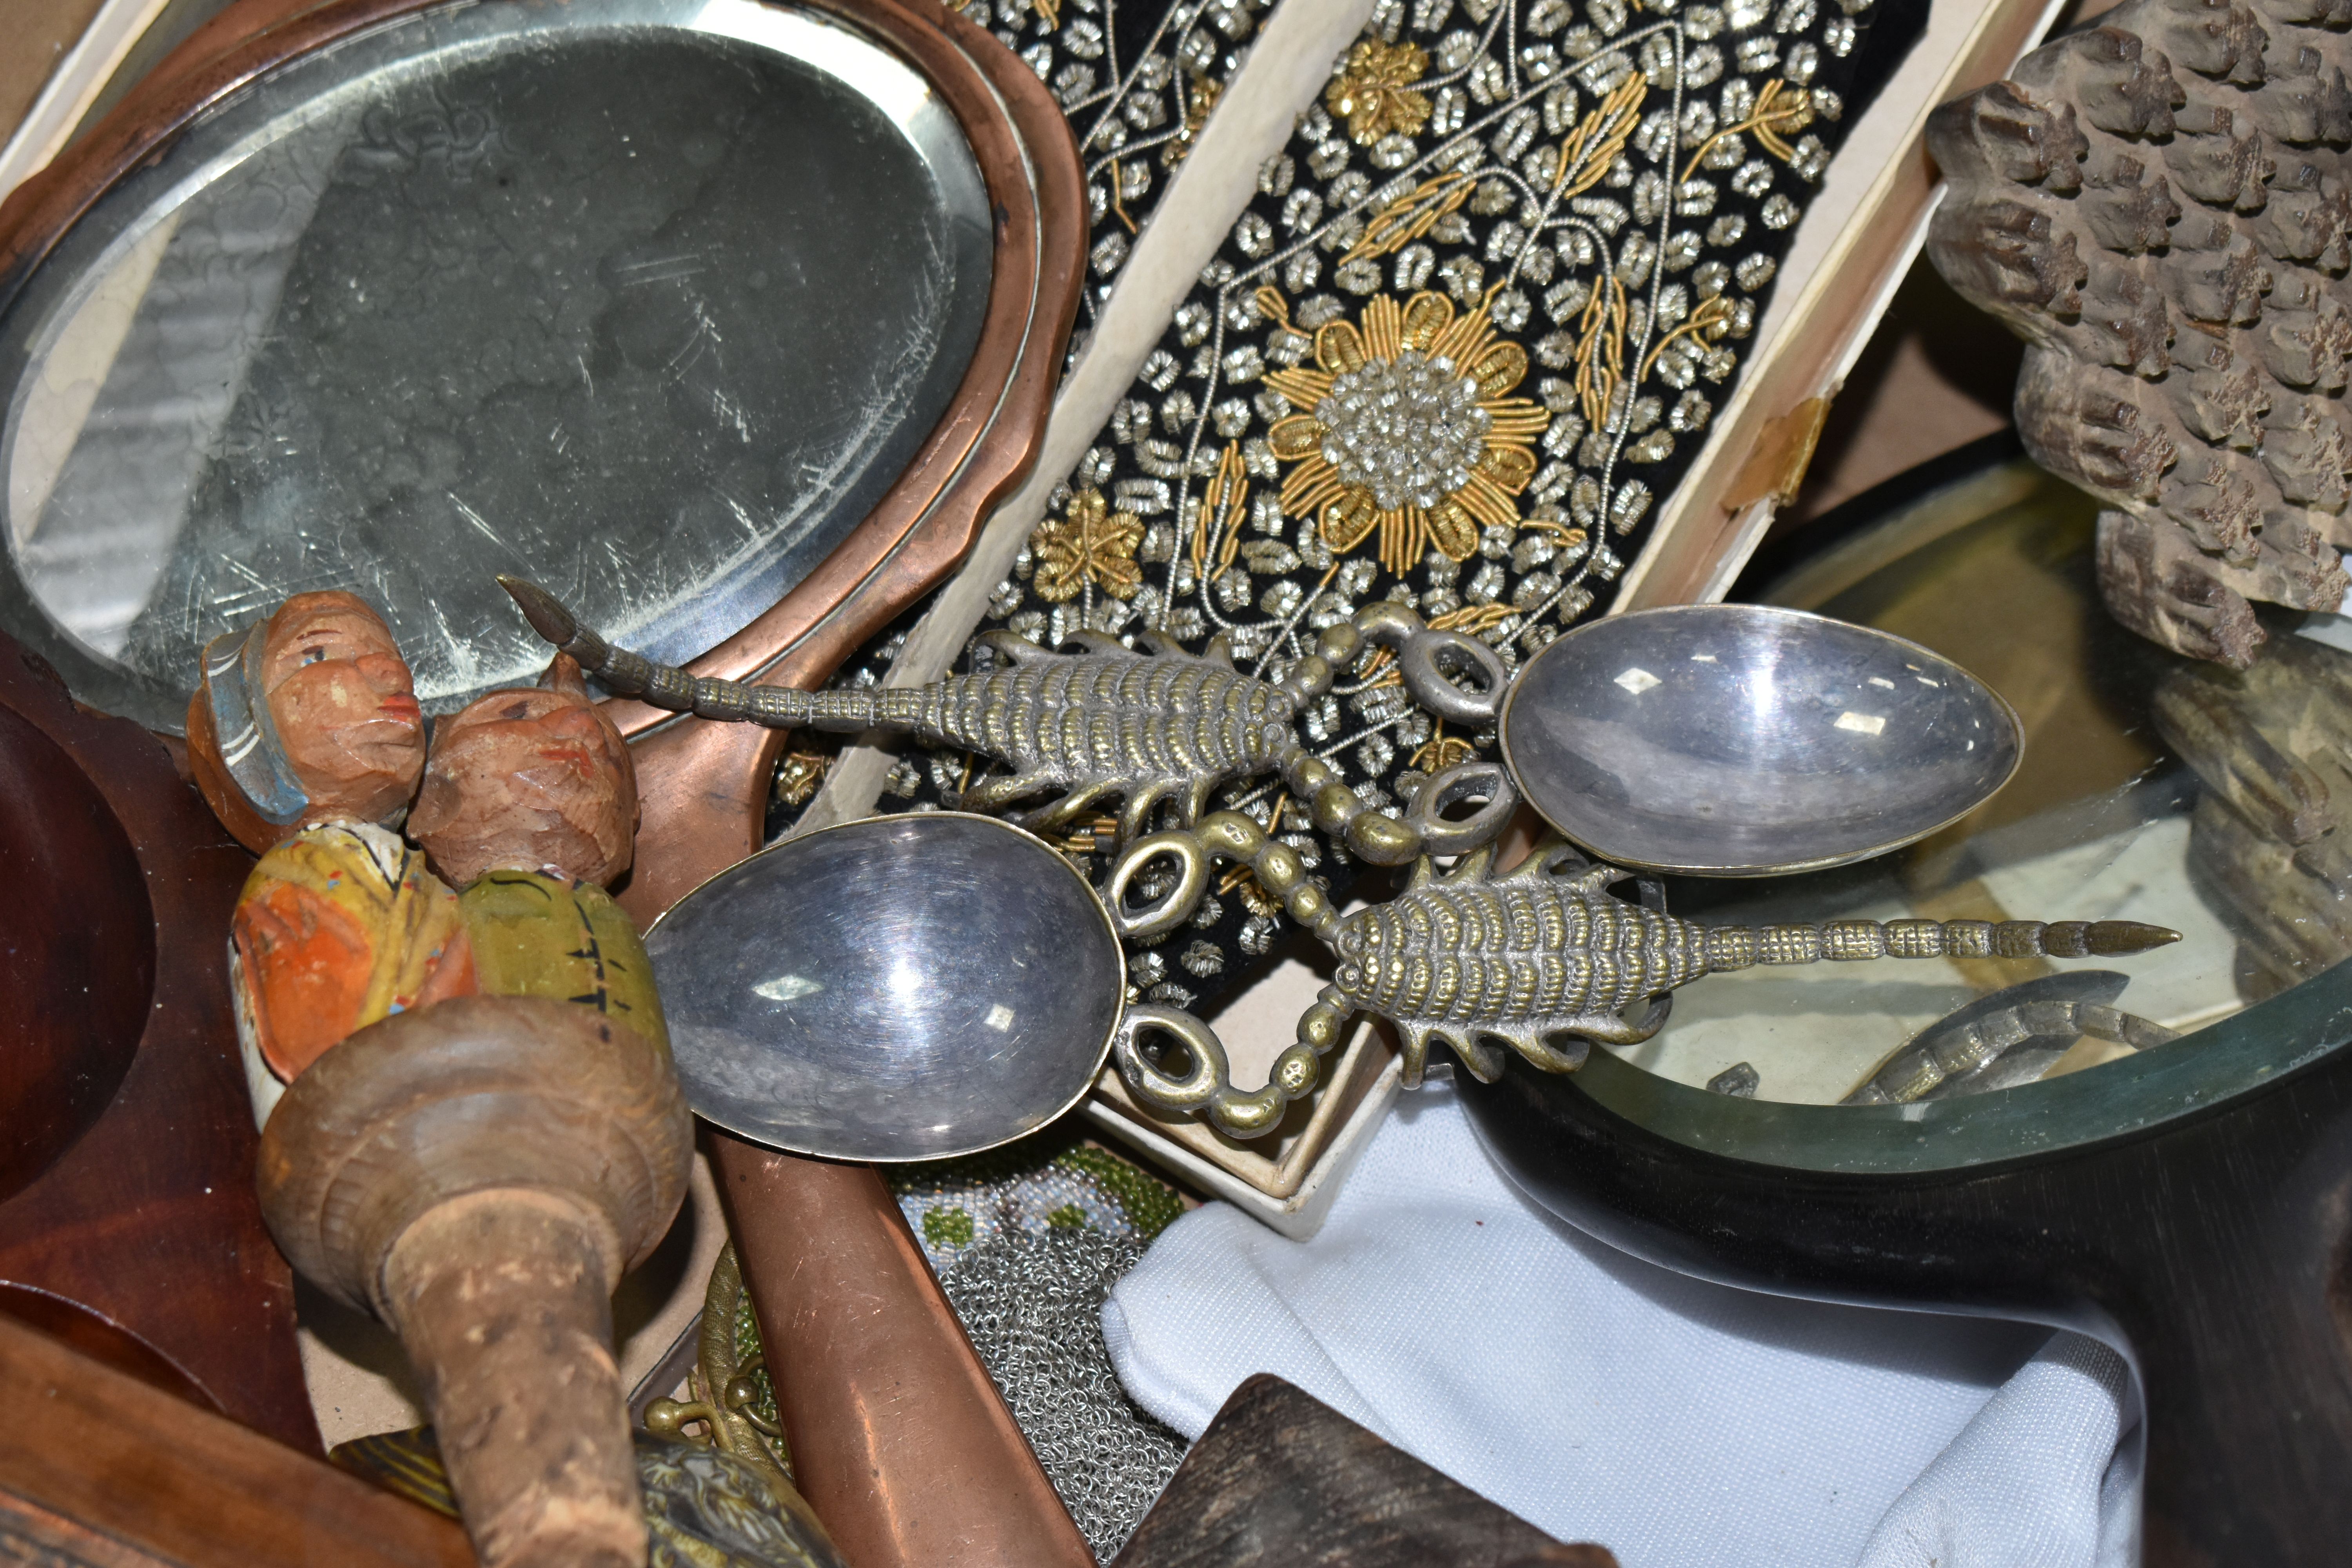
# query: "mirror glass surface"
[[2152, 788], [651, 299]]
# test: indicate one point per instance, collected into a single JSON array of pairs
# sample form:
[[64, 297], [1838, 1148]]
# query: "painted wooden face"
[[345, 707], [530, 779]]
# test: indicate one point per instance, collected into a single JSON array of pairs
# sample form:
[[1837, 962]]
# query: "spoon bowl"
[[1750, 741], [898, 989]]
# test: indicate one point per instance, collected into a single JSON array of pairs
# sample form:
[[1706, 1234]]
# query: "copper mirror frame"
[[705, 785]]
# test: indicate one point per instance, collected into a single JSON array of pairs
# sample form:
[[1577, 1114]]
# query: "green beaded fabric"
[[1034, 1189]]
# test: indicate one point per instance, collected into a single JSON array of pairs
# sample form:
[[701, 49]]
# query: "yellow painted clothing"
[[539, 935], [338, 927]]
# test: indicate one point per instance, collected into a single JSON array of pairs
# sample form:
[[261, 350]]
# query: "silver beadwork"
[[1408, 430]]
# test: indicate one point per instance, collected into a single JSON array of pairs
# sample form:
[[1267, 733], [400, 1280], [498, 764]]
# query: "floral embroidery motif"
[[1609, 187], [1410, 430], [1373, 92], [1205, 91], [1136, 81], [1780, 111], [1092, 547], [800, 774]]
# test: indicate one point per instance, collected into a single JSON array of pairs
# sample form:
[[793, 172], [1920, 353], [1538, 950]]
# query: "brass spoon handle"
[[900, 1440]]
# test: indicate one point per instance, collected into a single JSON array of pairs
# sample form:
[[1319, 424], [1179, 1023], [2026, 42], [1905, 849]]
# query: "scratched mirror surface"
[[2151, 787], [652, 300]]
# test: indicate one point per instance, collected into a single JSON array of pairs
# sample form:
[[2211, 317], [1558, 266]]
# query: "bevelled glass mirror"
[[655, 300], [2150, 1149]]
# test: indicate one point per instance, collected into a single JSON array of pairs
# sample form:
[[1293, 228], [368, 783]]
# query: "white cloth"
[[1681, 1424]]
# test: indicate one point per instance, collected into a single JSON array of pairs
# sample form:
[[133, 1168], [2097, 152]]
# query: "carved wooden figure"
[[477, 1170], [530, 779], [530, 805], [307, 717], [306, 738], [2161, 207], [338, 927]]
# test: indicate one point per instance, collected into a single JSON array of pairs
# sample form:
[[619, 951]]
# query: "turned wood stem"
[[479, 1173], [503, 1301]]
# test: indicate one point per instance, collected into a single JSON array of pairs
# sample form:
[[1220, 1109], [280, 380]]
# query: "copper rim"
[[707, 785]]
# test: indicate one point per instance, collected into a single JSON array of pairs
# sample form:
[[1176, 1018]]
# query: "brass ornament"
[[1374, 94], [1091, 546], [1147, 728], [728, 1387], [1540, 953]]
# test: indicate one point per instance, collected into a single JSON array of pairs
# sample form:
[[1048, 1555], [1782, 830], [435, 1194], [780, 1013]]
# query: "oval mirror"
[[658, 301]]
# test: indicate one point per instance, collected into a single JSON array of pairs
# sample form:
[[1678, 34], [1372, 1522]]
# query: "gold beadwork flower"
[[800, 774], [1403, 423], [1374, 90], [1201, 99], [1091, 545]]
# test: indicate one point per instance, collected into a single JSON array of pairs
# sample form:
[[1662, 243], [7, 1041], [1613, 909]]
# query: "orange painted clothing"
[[338, 927]]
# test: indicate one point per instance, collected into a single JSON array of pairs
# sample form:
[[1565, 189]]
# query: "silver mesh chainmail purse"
[[1032, 1305]]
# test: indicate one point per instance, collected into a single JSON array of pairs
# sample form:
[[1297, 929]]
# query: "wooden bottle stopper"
[[307, 717], [479, 1173]]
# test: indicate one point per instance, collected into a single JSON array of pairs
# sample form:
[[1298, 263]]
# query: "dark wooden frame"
[[705, 785], [140, 1241], [99, 1472]]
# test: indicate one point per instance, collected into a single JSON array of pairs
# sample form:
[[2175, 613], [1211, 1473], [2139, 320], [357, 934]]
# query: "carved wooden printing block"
[[2160, 206]]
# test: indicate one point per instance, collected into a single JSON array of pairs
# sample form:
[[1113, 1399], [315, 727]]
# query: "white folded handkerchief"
[[1680, 1424]]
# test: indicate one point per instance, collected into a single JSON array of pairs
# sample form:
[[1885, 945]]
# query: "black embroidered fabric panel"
[[1473, 327], [1137, 80]]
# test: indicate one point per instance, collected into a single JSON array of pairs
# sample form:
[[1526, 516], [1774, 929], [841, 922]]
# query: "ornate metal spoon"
[[899, 988], [1749, 740]]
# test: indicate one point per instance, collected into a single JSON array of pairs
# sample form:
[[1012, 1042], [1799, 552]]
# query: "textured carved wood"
[[345, 717], [479, 1173], [2161, 207], [1280, 1477], [127, 1221], [2272, 838], [529, 779]]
